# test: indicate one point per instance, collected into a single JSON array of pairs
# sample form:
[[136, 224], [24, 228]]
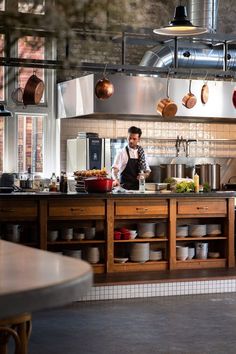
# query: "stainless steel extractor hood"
[[137, 97]]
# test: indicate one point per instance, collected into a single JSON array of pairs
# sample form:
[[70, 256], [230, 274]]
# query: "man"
[[130, 161]]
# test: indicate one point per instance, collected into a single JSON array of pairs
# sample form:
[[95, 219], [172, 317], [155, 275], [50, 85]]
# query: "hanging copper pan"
[[166, 107], [189, 100], [33, 91], [234, 98], [204, 93]]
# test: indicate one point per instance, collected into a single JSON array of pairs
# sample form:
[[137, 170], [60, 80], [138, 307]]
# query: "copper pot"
[[166, 107], [189, 100], [33, 90], [204, 93], [104, 89]]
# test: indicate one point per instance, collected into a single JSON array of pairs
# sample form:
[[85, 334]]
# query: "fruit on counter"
[[91, 173]]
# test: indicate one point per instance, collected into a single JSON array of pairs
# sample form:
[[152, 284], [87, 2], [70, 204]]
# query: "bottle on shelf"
[[58, 184], [196, 183], [29, 179], [63, 183], [142, 182], [53, 183]]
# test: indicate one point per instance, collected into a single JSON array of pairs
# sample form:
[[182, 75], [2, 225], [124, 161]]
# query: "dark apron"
[[128, 177]]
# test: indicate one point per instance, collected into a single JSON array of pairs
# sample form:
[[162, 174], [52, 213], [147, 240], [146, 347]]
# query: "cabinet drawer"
[[73, 208], [128, 208], [18, 209], [197, 207]]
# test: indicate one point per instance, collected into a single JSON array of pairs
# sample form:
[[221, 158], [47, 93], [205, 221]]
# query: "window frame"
[[51, 148]]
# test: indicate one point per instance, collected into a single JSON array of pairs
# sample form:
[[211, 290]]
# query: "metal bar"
[[123, 48], [176, 53]]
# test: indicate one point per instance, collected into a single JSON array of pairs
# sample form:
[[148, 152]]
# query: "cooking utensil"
[[173, 170], [234, 98], [209, 173], [98, 185], [204, 93], [104, 89], [166, 107], [189, 100], [33, 90], [17, 95]]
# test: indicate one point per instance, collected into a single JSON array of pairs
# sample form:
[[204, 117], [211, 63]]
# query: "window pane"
[[2, 92], [30, 48], [30, 143], [32, 6], [1, 142], [2, 5]]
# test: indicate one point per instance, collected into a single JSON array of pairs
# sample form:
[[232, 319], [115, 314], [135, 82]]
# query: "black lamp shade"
[[4, 112]]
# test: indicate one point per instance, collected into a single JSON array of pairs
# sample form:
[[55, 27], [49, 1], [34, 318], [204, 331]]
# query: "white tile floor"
[[112, 292]]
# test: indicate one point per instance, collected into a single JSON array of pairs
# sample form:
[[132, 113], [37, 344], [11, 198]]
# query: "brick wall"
[[104, 15]]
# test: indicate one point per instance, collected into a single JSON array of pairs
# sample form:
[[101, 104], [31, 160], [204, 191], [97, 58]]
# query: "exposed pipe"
[[201, 13]]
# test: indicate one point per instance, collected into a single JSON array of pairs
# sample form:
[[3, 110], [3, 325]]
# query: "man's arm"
[[115, 176]]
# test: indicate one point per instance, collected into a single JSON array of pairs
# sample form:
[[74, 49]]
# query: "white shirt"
[[121, 159]]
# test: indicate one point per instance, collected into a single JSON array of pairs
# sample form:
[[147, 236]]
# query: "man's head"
[[134, 135]]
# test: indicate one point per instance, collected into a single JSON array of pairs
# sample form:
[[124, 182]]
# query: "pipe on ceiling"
[[201, 13]]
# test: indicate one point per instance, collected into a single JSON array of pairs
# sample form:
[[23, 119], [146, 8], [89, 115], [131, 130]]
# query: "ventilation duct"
[[192, 55]]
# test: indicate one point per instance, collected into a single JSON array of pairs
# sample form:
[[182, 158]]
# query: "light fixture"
[[180, 25], [4, 112]]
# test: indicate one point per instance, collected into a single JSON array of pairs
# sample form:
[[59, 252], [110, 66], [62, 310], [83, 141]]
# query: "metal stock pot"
[[173, 170], [209, 173]]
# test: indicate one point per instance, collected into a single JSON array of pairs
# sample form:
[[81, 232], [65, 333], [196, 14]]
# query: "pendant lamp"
[[4, 112], [180, 25]]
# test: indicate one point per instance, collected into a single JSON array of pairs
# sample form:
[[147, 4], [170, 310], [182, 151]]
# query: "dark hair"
[[135, 130]]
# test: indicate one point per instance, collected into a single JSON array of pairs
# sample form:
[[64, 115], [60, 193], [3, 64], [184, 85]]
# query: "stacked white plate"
[[139, 252], [146, 229], [197, 230], [182, 231], [213, 229], [73, 253]]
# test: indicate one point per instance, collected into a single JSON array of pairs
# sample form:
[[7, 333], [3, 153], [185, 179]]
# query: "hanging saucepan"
[[104, 89], [189, 100], [33, 90], [17, 95], [205, 92], [234, 98], [166, 107]]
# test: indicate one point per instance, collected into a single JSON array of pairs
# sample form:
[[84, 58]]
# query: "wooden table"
[[32, 279]]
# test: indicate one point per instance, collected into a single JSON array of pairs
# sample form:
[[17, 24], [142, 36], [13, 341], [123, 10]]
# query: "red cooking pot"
[[98, 184]]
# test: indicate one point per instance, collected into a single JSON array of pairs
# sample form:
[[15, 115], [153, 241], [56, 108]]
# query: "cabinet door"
[[202, 207], [75, 208], [141, 208], [15, 210]]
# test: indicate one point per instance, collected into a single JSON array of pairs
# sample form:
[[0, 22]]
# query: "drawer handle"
[[7, 210], [203, 208], [142, 209], [77, 209]]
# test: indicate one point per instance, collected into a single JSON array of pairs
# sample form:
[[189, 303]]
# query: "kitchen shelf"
[[75, 242], [153, 239], [202, 263], [203, 238]]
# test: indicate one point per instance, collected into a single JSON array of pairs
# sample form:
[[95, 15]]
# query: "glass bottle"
[[142, 182], [196, 183]]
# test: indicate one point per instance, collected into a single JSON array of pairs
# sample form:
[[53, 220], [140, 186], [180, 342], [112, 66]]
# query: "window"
[[36, 7], [30, 137], [30, 143]]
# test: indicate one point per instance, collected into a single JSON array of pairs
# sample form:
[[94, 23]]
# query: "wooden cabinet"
[[81, 229], [39, 216], [19, 221]]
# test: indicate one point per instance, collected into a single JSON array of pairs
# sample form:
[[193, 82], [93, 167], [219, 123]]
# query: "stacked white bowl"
[[181, 253], [182, 231], [133, 234], [191, 252], [93, 255], [197, 230], [213, 229], [73, 253], [139, 252], [146, 229], [155, 255]]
